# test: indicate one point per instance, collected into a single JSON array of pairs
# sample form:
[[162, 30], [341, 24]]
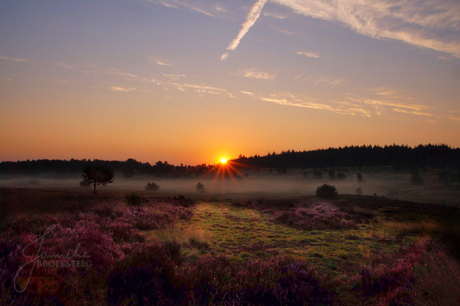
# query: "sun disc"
[[223, 160]]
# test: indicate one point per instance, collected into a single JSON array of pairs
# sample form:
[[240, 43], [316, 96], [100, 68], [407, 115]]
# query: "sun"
[[223, 161]]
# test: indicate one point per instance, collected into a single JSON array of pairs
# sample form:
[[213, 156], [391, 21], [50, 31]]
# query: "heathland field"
[[64, 246]]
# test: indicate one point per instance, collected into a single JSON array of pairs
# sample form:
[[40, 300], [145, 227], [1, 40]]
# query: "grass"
[[245, 233]]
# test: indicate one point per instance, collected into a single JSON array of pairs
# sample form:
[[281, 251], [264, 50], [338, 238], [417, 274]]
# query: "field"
[[262, 240]]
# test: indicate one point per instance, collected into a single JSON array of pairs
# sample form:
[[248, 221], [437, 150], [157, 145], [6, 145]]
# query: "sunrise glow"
[[223, 161], [151, 82]]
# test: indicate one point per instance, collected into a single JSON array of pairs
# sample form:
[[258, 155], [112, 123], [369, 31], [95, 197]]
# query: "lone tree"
[[200, 187], [97, 175]]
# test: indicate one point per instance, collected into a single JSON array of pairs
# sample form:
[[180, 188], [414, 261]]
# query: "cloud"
[[116, 88], [329, 81], [158, 61], [251, 18], [176, 4], [252, 73], [274, 15], [23, 60], [281, 31], [121, 73], [220, 8], [308, 54], [65, 65], [246, 92], [174, 77], [432, 24], [414, 112], [224, 56]]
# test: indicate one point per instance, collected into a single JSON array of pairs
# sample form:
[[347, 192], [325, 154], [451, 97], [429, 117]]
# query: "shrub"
[[152, 186], [200, 187], [360, 177], [341, 176], [326, 191], [359, 191], [133, 200]]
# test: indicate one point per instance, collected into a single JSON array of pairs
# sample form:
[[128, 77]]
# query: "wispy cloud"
[[253, 73], [23, 60], [65, 65], [220, 8], [246, 92], [331, 81], [120, 72], [251, 18], [6, 79], [432, 24], [281, 31], [174, 77], [116, 88], [308, 54], [399, 110], [224, 56], [159, 61], [274, 15], [176, 4]]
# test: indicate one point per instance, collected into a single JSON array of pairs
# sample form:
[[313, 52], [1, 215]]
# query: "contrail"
[[251, 18]]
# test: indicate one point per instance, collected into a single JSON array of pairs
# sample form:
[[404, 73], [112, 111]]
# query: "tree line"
[[398, 156], [73, 168]]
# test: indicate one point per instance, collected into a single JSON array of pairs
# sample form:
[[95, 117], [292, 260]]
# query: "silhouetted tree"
[[341, 176], [326, 191], [360, 177], [359, 191], [200, 187], [97, 174]]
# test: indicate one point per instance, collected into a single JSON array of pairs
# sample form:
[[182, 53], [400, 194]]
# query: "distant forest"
[[399, 157]]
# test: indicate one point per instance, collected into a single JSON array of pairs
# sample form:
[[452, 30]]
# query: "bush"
[[360, 177], [200, 187], [326, 191], [152, 186], [359, 191], [341, 176], [133, 200]]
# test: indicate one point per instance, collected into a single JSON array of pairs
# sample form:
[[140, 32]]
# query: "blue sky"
[[192, 81]]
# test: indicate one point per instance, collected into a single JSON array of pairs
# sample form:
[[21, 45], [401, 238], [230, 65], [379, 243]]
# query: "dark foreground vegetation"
[[109, 250]]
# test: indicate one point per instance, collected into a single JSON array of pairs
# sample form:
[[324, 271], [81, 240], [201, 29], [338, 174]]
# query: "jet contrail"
[[251, 18]]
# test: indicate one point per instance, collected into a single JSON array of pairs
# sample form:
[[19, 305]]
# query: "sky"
[[192, 82]]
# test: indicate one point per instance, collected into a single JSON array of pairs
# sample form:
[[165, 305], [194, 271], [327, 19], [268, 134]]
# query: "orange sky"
[[194, 81]]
